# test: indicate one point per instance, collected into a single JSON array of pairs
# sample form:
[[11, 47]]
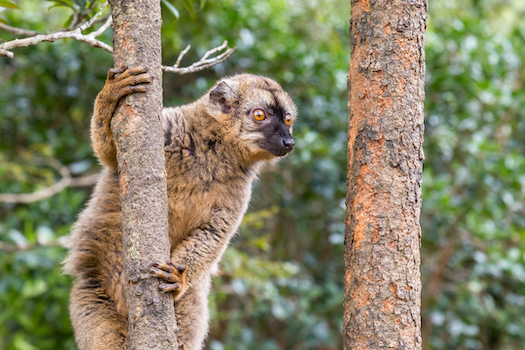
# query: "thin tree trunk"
[[382, 302], [142, 171]]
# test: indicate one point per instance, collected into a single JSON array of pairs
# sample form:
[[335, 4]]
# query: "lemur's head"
[[258, 112]]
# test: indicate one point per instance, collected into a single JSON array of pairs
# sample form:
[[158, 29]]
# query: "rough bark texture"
[[382, 239], [141, 163]]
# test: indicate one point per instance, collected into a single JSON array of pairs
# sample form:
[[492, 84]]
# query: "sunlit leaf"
[[9, 4], [171, 8], [69, 21], [65, 3]]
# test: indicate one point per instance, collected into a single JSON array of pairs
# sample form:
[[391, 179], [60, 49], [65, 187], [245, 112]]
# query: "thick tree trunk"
[[382, 240], [138, 135]]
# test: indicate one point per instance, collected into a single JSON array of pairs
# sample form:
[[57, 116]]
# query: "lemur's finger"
[[140, 88], [136, 79], [114, 71], [134, 71], [169, 287], [166, 276], [129, 89], [168, 266], [180, 267]]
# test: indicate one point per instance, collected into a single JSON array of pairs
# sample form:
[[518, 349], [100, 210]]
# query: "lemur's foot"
[[173, 274], [123, 81]]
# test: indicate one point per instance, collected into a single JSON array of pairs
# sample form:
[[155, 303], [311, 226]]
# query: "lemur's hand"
[[173, 274], [123, 81]]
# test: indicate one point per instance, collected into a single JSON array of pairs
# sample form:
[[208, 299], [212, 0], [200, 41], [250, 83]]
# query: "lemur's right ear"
[[225, 94]]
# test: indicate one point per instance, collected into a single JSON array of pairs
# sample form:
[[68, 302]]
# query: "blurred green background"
[[281, 281]]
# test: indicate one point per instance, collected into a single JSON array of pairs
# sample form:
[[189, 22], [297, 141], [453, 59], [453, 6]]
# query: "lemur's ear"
[[224, 94]]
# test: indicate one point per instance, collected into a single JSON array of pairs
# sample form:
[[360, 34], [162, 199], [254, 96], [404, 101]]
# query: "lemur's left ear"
[[224, 94]]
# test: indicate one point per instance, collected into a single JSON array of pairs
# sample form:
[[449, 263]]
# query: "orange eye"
[[288, 120], [259, 115]]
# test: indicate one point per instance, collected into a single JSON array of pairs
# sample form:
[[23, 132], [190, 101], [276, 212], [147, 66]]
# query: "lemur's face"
[[269, 114], [265, 114]]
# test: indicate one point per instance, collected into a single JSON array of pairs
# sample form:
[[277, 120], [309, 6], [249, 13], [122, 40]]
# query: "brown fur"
[[213, 150]]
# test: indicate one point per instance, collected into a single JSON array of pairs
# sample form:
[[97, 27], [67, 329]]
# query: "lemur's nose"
[[288, 143]]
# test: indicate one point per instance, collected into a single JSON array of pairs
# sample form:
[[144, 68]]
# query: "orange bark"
[[385, 138]]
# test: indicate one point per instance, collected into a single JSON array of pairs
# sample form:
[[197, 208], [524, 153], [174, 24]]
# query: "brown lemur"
[[214, 148]]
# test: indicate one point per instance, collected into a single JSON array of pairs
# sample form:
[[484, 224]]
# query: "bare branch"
[[204, 62], [102, 19], [103, 28], [76, 18], [75, 34], [214, 50], [34, 38], [93, 19], [11, 248], [89, 39], [66, 181], [17, 31], [181, 55], [84, 181], [6, 53]]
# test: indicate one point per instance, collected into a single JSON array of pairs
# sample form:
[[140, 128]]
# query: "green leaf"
[[65, 3], [172, 8], [202, 3], [9, 4], [189, 6], [69, 20]]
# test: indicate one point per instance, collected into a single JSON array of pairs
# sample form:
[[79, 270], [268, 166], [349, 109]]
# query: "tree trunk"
[[140, 153], [382, 300]]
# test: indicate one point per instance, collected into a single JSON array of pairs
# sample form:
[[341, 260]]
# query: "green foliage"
[[33, 295], [473, 220], [280, 285]]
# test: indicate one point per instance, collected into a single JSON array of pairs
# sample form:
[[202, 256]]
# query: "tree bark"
[[382, 301], [142, 171]]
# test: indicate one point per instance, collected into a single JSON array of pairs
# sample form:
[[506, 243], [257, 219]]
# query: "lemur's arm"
[[196, 254], [119, 83]]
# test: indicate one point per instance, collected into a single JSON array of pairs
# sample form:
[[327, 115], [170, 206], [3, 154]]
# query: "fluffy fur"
[[214, 148]]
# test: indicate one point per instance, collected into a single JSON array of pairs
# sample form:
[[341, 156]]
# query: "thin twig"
[[76, 18], [93, 19], [204, 62], [11, 248], [102, 19], [66, 181], [181, 55], [17, 31], [103, 28]]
